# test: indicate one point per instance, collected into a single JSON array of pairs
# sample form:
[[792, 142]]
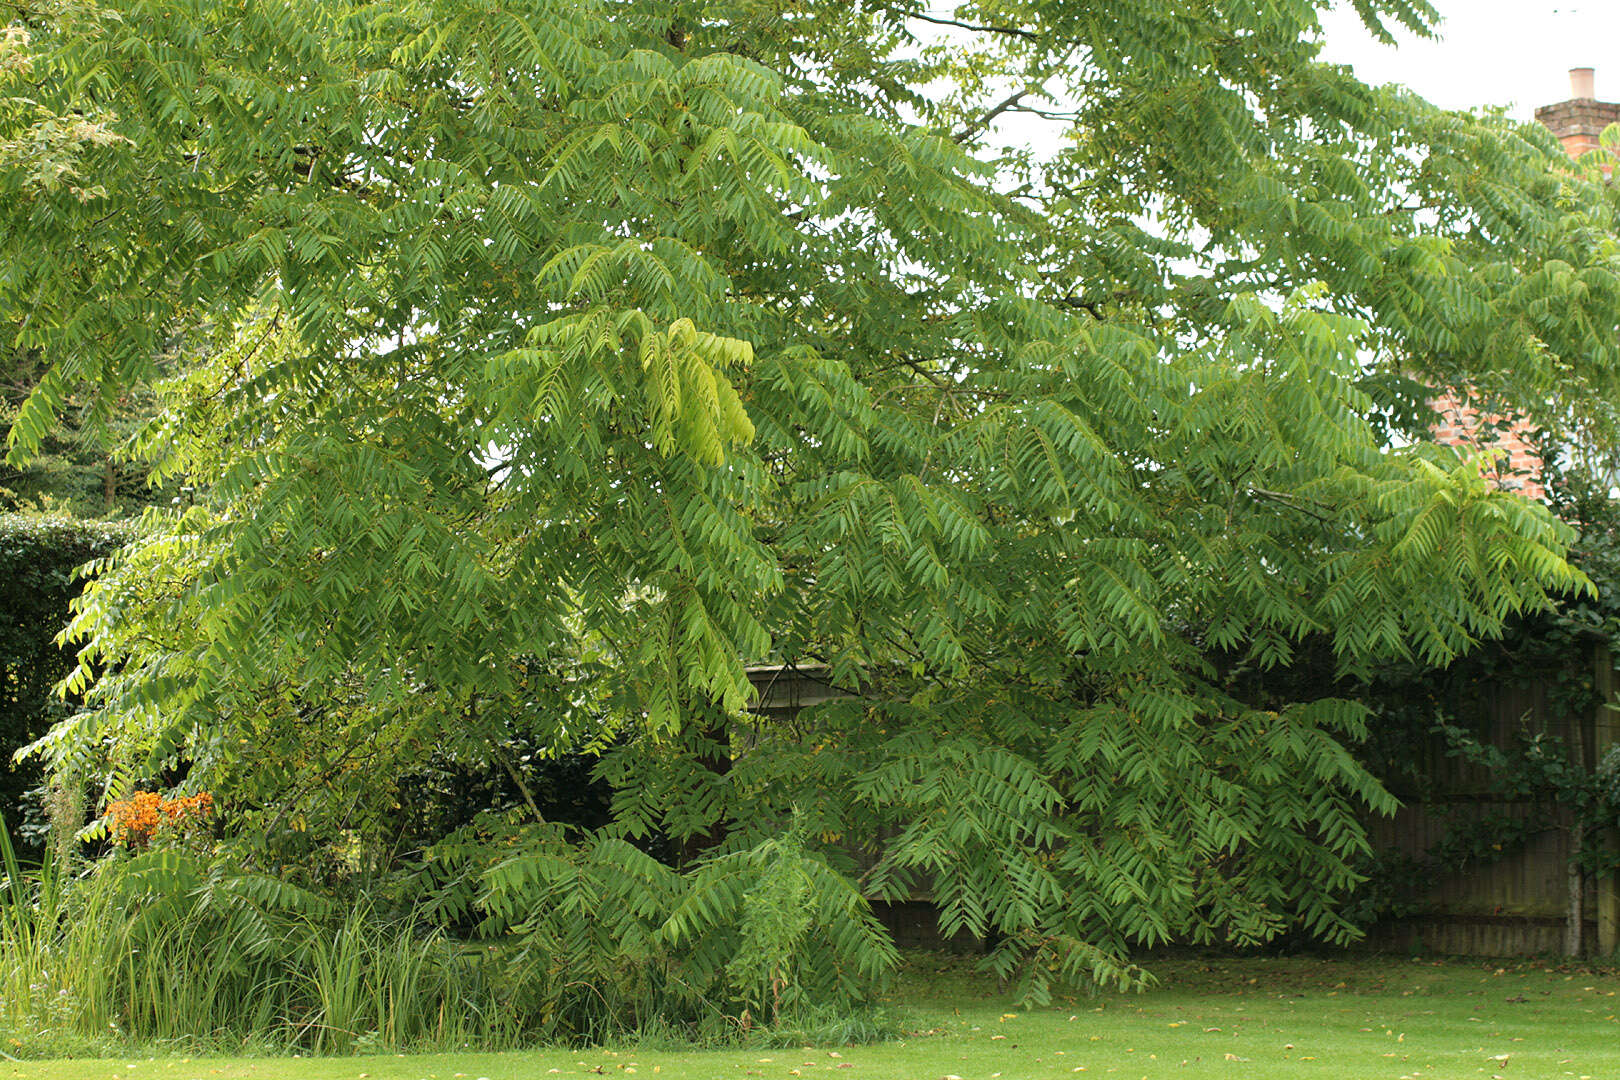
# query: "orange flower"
[[137, 819]]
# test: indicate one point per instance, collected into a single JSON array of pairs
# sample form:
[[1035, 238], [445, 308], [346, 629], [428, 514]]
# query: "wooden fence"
[[1512, 905], [1516, 903]]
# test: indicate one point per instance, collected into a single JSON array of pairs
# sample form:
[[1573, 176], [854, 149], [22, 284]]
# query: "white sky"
[[1491, 52]]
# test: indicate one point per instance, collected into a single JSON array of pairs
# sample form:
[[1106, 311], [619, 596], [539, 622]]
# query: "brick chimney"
[[1579, 121]]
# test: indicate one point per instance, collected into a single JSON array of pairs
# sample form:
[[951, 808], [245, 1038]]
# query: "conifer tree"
[[631, 340]]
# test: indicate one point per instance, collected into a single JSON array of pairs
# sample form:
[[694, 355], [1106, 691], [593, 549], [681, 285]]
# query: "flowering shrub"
[[142, 816]]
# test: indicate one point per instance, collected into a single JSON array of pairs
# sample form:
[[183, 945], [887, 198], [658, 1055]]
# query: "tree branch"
[[984, 121], [978, 28], [1293, 502]]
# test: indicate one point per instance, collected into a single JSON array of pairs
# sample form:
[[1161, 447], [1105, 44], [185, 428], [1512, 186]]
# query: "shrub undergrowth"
[[517, 935]]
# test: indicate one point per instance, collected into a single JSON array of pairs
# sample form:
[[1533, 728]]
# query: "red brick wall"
[[1516, 465]]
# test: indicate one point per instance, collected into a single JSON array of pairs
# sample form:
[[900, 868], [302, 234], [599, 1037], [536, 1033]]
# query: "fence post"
[[1606, 732]]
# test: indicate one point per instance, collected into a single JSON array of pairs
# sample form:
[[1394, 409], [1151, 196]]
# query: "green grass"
[[1233, 1019]]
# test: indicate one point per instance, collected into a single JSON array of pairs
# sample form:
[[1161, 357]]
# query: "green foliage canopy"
[[644, 338]]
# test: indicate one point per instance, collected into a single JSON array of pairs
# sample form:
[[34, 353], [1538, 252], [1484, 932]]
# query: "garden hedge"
[[39, 560]]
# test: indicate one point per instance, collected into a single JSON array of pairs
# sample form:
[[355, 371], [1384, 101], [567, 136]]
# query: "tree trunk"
[[1575, 929], [716, 727]]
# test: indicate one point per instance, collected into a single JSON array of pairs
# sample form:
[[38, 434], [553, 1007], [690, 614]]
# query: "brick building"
[[1577, 123]]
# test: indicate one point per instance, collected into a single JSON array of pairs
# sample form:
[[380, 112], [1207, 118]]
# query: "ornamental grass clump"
[[157, 944]]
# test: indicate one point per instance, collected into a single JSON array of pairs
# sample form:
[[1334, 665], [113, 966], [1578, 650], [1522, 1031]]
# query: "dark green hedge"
[[38, 560]]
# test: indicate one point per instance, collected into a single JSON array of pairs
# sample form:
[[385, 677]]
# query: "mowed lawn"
[[1232, 1019]]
